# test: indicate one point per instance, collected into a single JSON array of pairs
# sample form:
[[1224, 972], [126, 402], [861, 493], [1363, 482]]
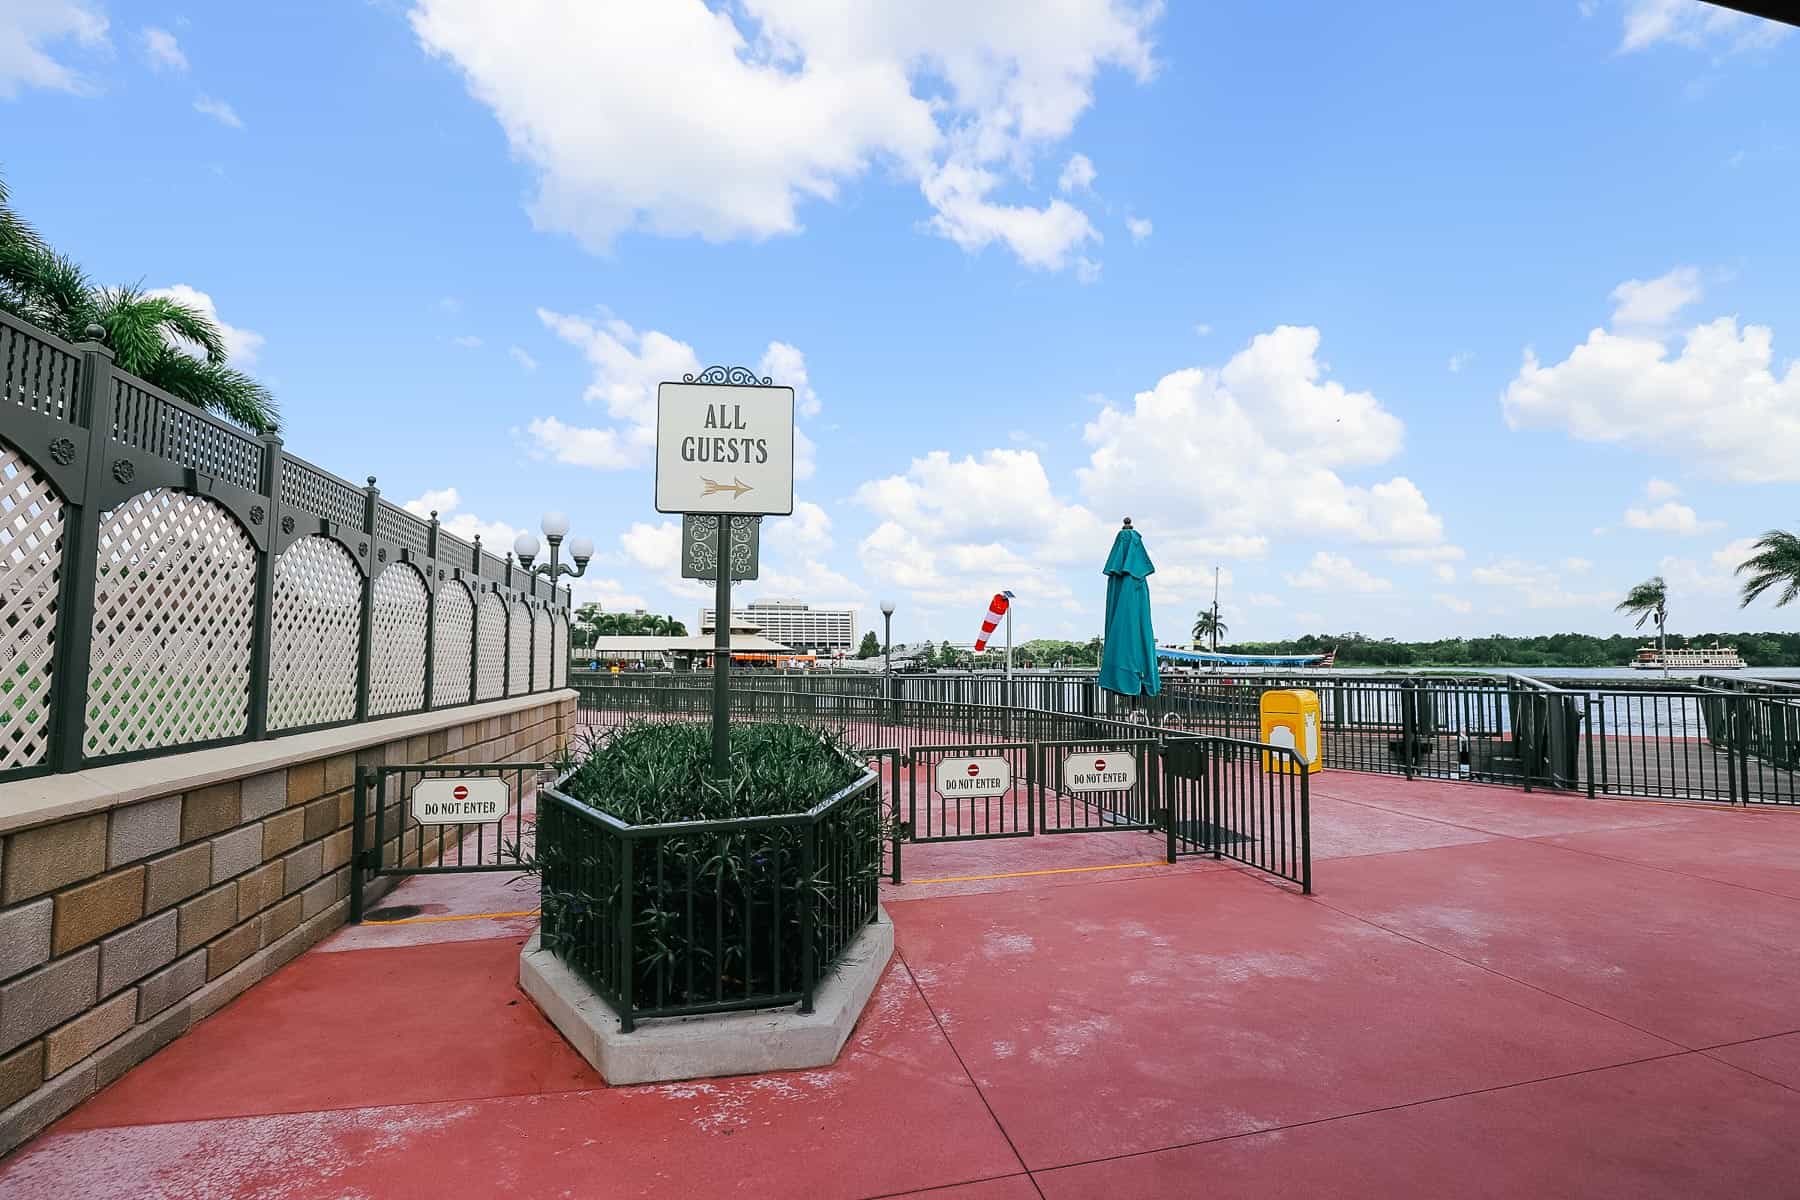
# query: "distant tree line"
[[590, 622], [1550, 650]]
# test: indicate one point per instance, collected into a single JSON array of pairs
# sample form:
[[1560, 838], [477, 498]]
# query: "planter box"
[[700, 917]]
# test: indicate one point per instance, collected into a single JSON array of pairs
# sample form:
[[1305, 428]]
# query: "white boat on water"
[[1689, 658]]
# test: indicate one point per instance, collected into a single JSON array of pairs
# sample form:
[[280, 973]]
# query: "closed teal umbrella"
[[1128, 660]]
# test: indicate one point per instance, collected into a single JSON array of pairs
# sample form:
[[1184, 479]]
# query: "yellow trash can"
[[1291, 718]]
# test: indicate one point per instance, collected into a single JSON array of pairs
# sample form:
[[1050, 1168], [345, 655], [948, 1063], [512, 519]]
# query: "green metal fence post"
[[430, 569], [624, 921], [808, 865], [1305, 826], [358, 812], [365, 654], [1587, 738], [81, 547], [262, 642]]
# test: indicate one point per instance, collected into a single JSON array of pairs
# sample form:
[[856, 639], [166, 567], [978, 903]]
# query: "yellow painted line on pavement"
[[1046, 871], [530, 912]]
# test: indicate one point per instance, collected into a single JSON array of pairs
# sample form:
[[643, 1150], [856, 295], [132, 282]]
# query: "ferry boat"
[[1689, 658]]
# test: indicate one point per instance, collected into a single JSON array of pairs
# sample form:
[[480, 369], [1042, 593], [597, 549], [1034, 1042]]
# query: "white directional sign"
[[989, 776], [723, 448], [460, 801], [1105, 771]]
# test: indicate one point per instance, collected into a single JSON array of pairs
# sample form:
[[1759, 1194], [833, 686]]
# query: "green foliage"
[[1550, 650], [1648, 602], [870, 647], [1774, 566], [1208, 627], [1052, 652], [161, 340], [605, 624], [649, 773], [711, 912]]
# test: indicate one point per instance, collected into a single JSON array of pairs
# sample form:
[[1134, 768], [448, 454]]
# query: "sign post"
[[724, 447]]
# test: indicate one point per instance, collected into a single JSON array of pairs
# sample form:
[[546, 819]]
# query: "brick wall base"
[[123, 926]]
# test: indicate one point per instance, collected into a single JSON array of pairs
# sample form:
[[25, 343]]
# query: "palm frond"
[[1776, 564], [140, 326], [219, 389], [49, 289]]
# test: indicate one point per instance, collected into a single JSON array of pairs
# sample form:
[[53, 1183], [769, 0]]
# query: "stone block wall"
[[122, 926]]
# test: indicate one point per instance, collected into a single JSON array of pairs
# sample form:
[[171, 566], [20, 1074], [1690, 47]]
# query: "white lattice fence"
[[518, 646], [317, 635], [31, 548], [543, 647], [490, 648], [398, 615], [452, 645], [559, 653], [174, 609]]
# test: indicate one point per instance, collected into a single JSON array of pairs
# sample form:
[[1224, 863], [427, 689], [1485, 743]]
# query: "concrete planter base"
[[746, 1043]]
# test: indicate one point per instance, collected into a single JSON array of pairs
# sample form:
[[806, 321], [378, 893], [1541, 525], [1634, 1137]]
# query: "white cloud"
[[163, 51], [1253, 449], [1714, 401], [1455, 604], [654, 547], [1077, 175], [1695, 25], [784, 364], [1203, 329], [241, 345], [1668, 517], [496, 536], [518, 355], [1003, 496], [1661, 489], [1536, 586], [1733, 553], [1335, 573], [582, 446], [1577, 566], [1445, 572], [449, 304], [1262, 600], [805, 534], [1139, 228], [609, 594], [1418, 554], [798, 99], [1458, 361], [1649, 305], [1687, 578], [467, 341], [219, 111], [28, 32]]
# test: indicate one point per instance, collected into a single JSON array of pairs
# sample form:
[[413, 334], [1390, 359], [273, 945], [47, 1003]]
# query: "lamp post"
[[556, 527], [887, 648]]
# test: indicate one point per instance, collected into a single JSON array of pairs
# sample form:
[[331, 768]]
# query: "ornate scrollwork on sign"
[[256, 514], [700, 540], [729, 376], [62, 450], [123, 470]]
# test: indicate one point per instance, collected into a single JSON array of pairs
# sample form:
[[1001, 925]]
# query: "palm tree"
[[1208, 626], [1776, 563], [170, 344], [1649, 600]]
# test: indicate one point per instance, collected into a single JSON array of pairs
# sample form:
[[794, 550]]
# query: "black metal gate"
[[970, 793], [1106, 785], [388, 838]]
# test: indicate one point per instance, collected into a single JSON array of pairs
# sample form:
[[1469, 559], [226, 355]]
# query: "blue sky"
[[1415, 319]]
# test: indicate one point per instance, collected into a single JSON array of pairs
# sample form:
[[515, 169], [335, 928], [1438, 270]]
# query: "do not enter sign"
[[1090, 772], [460, 801], [986, 776]]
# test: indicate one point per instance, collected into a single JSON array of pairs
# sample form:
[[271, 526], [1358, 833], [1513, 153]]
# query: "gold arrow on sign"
[[737, 487]]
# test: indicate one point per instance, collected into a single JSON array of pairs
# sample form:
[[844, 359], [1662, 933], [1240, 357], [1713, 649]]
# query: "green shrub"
[[649, 773]]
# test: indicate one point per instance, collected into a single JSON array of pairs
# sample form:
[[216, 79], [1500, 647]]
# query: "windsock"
[[996, 610]]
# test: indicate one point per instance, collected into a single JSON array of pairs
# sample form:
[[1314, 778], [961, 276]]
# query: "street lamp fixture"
[[556, 527], [887, 642]]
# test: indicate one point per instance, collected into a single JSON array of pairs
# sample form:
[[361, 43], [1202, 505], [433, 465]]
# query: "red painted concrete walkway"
[[1492, 994]]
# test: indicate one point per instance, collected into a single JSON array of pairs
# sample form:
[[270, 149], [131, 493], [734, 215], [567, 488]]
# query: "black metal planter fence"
[[708, 916]]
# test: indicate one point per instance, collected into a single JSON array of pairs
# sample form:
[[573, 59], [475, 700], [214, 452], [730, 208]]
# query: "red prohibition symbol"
[[460, 792]]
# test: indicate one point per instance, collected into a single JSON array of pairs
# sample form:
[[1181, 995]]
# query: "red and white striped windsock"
[[996, 610]]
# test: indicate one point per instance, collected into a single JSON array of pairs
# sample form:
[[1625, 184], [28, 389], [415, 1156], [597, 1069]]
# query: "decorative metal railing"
[[169, 581]]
